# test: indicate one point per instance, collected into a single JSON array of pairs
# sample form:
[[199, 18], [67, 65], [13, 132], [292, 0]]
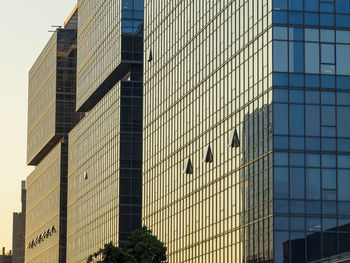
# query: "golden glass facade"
[[51, 115], [99, 44], [104, 181], [110, 38], [41, 99], [51, 95], [210, 74], [105, 149], [93, 179], [46, 208]]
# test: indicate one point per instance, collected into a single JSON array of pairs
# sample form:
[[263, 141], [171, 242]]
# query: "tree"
[[109, 254], [141, 247], [145, 247]]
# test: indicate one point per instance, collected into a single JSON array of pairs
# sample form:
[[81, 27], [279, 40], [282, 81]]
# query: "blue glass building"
[[265, 86], [311, 105]]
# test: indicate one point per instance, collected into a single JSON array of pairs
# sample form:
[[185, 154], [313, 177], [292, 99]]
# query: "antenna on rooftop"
[[55, 26]]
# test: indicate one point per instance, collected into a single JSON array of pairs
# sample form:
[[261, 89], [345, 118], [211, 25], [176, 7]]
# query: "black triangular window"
[[188, 166], [150, 56], [85, 176], [208, 155], [234, 140]]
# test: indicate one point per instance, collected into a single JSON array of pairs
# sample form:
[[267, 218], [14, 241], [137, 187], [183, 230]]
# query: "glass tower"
[[311, 100], [105, 148], [246, 154], [51, 115]]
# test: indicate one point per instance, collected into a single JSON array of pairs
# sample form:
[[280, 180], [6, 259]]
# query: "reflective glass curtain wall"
[[208, 77], [311, 95], [105, 150]]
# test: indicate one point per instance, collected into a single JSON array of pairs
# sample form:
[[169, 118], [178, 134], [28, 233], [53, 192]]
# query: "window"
[[296, 119], [327, 59], [312, 120], [343, 185], [313, 184], [297, 183], [296, 57], [281, 182], [280, 119], [311, 5], [343, 59], [343, 124], [312, 59], [280, 53]]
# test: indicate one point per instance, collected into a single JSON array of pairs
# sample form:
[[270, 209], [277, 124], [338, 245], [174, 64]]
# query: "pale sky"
[[24, 26]]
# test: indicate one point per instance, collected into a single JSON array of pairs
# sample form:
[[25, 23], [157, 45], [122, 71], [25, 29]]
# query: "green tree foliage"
[[141, 247], [145, 247]]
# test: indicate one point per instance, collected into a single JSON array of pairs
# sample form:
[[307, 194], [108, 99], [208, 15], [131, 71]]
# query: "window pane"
[[296, 33], [327, 35], [296, 5], [312, 121], [343, 185], [311, 5], [280, 56], [296, 57], [311, 34], [280, 119], [343, 59], [312, 59], [343, 122], [329, 179], [344, 161], [281, 250], [297, 180], [328, 115], [342, 6], [281, 182], [296, 119], [281, 4], [327, 53], [313, 184], [329, 244], [343, 36], [280, 33]]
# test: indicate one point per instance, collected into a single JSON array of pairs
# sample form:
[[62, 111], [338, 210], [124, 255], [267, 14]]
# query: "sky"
[[23, 34]]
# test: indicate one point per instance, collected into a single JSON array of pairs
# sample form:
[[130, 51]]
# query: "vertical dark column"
[[63, 201], [130, 184], [130, 201]]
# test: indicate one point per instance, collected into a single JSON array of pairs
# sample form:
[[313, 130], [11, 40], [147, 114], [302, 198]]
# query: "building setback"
[[51, 115], [105, 148], [246, 138], [18, 233]]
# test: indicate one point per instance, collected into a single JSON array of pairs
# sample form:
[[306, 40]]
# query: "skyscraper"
[[105, 148], [51, 115], [246, 145], [18, 233]]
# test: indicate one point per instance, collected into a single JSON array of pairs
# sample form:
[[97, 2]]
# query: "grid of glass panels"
[[311, 54], [41, 99], [93, 179], [210, 74], [109, 33], [99, 44], [51, 95], [44, 208]]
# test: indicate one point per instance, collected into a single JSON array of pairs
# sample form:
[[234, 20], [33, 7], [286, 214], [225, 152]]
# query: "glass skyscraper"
[[311, 100], [246, 132], [51, 115], [105, 148]]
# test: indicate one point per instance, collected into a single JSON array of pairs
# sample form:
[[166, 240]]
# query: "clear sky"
[[23, 34]]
